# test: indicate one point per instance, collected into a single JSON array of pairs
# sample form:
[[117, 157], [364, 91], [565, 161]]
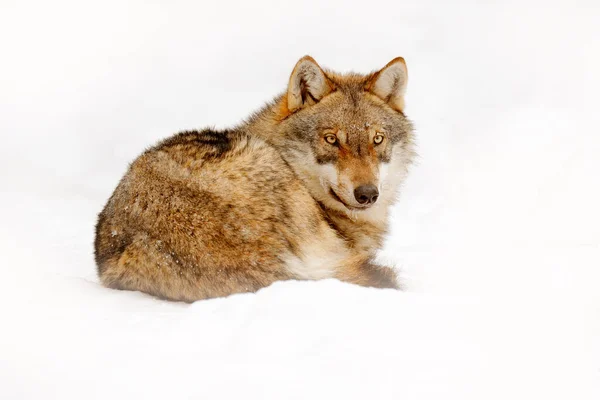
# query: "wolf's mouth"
[[338, 198]]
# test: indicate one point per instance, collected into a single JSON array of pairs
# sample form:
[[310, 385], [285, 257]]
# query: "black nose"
[[366, 194]]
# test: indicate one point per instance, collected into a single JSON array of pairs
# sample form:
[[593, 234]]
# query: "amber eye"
[[331, 139], [378, 139]]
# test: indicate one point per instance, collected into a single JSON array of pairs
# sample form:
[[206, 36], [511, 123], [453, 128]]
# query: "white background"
[[496, 236]]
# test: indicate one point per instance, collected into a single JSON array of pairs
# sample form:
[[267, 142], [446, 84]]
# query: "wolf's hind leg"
[[146, 265]]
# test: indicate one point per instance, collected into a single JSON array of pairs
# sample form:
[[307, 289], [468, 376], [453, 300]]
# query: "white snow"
[[497, 235]]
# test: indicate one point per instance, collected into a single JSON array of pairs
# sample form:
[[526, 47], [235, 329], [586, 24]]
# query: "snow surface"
[[497, 235]]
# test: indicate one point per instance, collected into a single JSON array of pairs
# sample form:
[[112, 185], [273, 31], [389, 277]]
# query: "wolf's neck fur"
[[363, 230], [364, 233]]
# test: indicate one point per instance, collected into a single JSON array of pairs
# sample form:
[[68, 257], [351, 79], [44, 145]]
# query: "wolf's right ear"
[[308, 84]]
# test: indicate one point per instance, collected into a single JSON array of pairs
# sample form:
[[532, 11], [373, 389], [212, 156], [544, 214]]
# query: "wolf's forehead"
[[356, 120], [345, 108]]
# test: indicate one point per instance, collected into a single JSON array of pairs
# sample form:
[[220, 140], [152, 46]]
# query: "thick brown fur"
[[210, 213]]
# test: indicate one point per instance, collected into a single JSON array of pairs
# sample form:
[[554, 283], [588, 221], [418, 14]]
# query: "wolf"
[[301, 190]]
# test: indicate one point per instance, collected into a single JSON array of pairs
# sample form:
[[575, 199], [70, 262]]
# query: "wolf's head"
[[346, 135]]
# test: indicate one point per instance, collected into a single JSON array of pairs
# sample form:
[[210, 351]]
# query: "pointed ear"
[[389, 83], [308, 84]]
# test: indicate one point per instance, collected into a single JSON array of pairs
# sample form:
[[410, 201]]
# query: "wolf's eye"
[[378, 139], [331, 139]]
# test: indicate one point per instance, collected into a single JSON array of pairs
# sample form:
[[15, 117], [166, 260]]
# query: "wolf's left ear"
[[308, 84], [389, 83]]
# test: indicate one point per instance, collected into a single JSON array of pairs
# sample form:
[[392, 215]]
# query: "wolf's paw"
[[384, 277]]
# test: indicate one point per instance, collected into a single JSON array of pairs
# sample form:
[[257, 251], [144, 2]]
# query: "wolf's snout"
[[366, 194]]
